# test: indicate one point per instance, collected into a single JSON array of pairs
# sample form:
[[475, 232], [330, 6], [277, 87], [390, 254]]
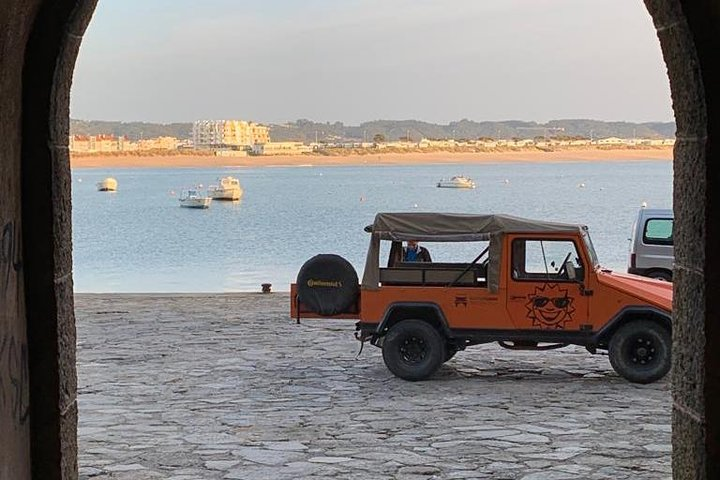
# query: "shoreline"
[[374, 159]]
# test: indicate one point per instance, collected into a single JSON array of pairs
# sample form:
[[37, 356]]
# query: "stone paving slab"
[[188, 387]]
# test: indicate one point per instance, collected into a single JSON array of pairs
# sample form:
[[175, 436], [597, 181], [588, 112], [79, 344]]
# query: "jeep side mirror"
[[570, 269]]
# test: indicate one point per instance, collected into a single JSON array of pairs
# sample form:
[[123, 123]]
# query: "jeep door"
[[544, 284]]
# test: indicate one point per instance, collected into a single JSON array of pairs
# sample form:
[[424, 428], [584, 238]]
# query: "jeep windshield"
[[590, 248]]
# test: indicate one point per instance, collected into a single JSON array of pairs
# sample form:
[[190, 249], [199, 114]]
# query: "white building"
[[611, 141], [281, 148], [228, 133]]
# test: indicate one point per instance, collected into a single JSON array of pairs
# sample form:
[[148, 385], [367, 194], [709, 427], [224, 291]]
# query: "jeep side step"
[[528, 345]]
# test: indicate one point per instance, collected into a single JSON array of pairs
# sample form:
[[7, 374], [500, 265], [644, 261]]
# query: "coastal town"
[[242, 138]]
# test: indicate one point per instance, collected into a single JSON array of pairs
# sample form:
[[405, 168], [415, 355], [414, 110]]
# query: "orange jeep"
[[533, 285]]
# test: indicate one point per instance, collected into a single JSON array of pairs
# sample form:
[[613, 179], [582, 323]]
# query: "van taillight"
[[632, 260]]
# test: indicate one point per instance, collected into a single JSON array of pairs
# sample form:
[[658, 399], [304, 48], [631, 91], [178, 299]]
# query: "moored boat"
[[108, 184], [458, 181], [194, 199], [228, 188]]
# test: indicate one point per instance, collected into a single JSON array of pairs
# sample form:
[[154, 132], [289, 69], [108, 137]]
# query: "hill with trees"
[[132, 130], [309, 131]]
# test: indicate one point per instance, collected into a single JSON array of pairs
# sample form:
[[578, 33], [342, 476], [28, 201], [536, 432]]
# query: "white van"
[[651, 245]]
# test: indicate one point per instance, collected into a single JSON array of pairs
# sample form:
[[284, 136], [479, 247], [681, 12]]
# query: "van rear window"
[[658, 231]]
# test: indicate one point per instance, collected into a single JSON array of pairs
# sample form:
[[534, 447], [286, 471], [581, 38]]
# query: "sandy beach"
[[374, 159]]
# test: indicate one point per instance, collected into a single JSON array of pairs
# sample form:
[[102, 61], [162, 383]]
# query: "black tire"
[[660, 275], [327, 284], [413, 350], [640, 351]]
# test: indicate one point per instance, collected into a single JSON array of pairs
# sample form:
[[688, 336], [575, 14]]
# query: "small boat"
[[228, 188], [458, 181], [107, 185], [194, 199]]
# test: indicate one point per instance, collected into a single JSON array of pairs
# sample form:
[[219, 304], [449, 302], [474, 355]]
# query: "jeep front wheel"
[[640, 351], [413, 350]]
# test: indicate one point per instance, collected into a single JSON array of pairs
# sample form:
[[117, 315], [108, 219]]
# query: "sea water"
[[138, 239]]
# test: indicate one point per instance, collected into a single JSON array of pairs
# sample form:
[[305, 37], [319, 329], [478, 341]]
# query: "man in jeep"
[[413, 252]]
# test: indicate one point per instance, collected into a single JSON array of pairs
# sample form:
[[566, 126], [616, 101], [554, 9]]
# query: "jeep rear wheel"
[[640, 351], [413, 350]]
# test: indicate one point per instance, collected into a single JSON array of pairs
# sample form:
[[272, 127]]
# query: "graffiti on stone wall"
[[14, 375], [14, 378], [9, 254]]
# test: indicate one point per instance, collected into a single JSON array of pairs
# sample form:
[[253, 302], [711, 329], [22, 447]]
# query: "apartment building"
[[229, 133]]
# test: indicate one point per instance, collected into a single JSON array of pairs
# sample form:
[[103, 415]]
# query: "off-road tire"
[[327, 284], [640, 351], [413, 350]]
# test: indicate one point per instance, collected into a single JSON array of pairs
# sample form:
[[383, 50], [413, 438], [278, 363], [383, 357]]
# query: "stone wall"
[[688, 33], [16, 19], [38, 386]]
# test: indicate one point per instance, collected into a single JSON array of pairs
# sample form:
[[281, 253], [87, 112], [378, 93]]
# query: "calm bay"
[[138, 239]]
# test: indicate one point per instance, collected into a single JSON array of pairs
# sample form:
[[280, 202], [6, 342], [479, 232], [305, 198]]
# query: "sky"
[[352, 61]]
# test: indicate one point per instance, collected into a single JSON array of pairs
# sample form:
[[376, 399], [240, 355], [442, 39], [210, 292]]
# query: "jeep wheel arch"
[[630, 314], [425, 311]]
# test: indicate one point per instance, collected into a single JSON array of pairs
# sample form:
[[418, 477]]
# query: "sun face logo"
[[550, 307]]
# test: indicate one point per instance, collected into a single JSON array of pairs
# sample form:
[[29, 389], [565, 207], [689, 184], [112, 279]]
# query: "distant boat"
[[228, 188], [194, 199], [458, 181], [107, 185]]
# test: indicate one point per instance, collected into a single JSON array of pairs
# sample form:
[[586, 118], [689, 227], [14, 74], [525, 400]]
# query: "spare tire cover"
[[327, 284]]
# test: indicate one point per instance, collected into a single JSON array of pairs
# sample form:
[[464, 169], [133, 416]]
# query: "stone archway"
[[38, 387], [688, 33]]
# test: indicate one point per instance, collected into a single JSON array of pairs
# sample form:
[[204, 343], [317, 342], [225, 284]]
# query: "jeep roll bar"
[[467, 269]]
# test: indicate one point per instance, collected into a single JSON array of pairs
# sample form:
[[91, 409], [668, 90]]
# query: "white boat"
[[107, 185], [458, 181], [194, 199], [228, 188]]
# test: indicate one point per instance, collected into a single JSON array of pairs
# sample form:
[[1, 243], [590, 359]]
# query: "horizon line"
[[385, 120]]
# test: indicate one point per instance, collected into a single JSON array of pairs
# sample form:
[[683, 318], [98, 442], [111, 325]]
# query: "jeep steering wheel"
[[563, 267]]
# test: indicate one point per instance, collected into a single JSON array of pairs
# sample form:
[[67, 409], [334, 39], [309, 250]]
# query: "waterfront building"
[[229, 133], [611, 141], [110, 143], [98, 143], [441, 143], [159, 143], [281, 148]]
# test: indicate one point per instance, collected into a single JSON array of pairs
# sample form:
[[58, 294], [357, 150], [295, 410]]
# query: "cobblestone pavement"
[[228, 387]]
